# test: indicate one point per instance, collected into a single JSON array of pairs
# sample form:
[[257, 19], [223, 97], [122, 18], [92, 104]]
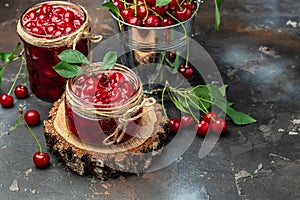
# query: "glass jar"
[[102, 108], [41, 50]]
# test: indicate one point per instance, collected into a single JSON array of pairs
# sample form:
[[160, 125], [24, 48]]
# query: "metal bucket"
[[149, 46]]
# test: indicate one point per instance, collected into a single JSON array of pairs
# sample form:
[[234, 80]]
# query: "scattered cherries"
[[174, 125], [6, 100], [186, 71], [210, 121], [52, 21], [21, 91], [41, 160], [32, 117], [147, 14], [104, 88]]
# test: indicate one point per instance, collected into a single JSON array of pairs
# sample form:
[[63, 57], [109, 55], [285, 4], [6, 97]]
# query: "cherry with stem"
[[41, 159]]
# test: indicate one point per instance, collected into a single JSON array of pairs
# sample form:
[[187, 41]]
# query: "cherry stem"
[[16, 77], [33, 135], [179, 5], [163, 99], [135, 7], [187, 54], [191, 112]]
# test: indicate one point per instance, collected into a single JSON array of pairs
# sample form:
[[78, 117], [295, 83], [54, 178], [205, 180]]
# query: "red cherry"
[[117, 79], [134, 20], [191, 5], [69, 14], [37, 30], [126, 14], [62, 24], [187, 121], [208, 116], [55, 18], [202, 128], [77, 22], [6, 100], [171, 55], [29, 25], [183, 14], [152, 21], [43, 17], [31, 16], [186, 71], [59, 11], [160, 10], [119, 4], [142, 11], [41, 160], [219, 126], [167, 21], [32, 117], [57, 33], [46, 9], [50, 28], [21, 91], [174, 125], [69, 29]]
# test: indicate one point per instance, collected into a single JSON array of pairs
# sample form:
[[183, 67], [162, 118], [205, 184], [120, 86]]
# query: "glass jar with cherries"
[[104, 107], [47, 29]]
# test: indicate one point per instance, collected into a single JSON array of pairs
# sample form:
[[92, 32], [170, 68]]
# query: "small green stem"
[[163, 100], [187, 54], [33, 135], [179, 5], [16, 78], [191, 112]]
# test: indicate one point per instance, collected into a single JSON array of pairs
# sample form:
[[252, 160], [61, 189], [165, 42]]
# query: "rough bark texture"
[[84, 160]]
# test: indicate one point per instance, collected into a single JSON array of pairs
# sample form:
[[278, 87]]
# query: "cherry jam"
[[94, 102], [49, 22]]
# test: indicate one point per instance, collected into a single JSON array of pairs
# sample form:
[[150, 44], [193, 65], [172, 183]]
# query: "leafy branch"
[[203, 97], [9, 57]]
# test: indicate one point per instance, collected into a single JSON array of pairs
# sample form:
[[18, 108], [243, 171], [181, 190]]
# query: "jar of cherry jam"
[[47, 29], [104, 107]]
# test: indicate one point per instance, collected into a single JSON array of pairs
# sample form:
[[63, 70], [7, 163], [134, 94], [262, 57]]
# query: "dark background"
[[258, 161]]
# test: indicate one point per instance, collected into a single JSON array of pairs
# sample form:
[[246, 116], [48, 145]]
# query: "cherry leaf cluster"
[[71, 61], [203, 97]]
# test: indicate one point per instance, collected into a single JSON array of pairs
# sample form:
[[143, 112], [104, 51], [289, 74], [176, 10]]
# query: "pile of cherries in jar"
[[146, 13], [104, 88], [52, 21]]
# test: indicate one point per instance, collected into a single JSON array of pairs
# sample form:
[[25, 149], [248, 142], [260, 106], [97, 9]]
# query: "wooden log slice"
[[133, 156]]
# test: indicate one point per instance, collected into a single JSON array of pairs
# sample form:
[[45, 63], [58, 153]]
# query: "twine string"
[[127, 117]]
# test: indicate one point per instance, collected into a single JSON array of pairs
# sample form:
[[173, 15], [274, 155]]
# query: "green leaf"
[[13, 52], [68, 70], [203, 93], [239, 118], [73, 56], [112, 8], [218, 4], [222, 90], [162, 2], [4, 56], [109, 60]]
